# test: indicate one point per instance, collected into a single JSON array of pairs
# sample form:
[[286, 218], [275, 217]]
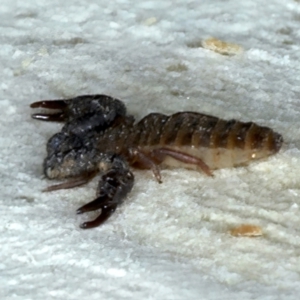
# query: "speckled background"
[[166, 241]]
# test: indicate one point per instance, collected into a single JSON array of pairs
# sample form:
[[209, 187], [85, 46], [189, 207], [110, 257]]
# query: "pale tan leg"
[[160, 153], [74, 182], [145, 162]]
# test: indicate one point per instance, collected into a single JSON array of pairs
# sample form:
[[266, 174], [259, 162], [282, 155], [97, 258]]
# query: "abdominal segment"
[[216, 142]]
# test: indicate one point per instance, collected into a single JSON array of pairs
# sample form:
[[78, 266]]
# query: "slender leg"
[[160, 153], [74, 182], [144, 161], [113, 187]]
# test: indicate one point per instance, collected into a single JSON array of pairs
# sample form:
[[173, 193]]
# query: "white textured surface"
[[167, 241]]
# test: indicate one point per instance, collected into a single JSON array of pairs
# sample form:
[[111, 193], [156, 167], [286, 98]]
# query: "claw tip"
[[35, 104], [84, 225]]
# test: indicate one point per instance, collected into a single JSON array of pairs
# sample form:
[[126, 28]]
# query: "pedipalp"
[[114, 185]]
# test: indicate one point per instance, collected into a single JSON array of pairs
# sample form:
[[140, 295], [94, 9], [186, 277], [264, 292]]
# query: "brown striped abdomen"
[[216, 142]]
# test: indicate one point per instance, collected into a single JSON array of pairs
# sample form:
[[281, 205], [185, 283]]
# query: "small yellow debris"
[[26, 62], [246, 230], [177, 68], [150, 21], [43, 51], [221, 47]]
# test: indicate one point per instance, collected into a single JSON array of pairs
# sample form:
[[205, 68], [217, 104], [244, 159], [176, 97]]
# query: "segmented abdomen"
[[217, 142]]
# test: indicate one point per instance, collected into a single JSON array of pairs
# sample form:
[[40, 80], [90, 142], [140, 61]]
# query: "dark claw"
[[50, 104], [53, 104], [98, 203], [59, 117], [105, 214]]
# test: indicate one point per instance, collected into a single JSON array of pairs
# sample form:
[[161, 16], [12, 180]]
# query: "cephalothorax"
[[99, 137]]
